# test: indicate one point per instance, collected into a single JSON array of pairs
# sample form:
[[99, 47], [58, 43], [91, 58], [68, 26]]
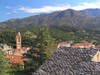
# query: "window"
[[18, 39]]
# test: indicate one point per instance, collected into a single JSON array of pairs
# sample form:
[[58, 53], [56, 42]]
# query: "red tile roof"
[[15, 59], [63, 43], [24, 48], [82, 44]]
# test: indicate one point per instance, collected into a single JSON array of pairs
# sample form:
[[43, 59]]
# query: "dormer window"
[[96, 58]]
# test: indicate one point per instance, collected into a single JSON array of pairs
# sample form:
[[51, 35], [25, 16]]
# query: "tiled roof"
[[24, 48], [70, 61], [93, 47], [63, 43], [14, 59], [82, 44]]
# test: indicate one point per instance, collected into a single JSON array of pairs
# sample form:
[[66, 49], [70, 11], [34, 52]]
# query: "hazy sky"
[[24, 8]]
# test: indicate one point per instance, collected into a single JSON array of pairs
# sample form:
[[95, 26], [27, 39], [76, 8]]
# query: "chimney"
[[12, 57]]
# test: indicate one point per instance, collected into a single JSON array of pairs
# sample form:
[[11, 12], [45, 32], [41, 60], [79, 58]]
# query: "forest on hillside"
[[59, 33]]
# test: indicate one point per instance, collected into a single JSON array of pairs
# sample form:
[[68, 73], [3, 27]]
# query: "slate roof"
[[70, 61]]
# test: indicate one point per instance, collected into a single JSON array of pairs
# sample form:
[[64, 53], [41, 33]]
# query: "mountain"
[[67, 17], [91, 12]]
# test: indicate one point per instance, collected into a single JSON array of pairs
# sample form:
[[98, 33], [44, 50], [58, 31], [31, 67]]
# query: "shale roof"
[[70, 61]]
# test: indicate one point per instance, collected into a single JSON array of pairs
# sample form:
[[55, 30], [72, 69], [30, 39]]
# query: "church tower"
[[18, 43]]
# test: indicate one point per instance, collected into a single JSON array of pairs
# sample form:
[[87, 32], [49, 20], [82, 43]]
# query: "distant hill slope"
[[67, 17], [91, 12], [59, 33]]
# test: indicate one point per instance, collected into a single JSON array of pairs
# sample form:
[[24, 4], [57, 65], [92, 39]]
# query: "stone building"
[[7, 49], [18, 43], [19, 50]]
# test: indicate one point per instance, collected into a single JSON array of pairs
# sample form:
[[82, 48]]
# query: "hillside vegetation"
[[59, 33]]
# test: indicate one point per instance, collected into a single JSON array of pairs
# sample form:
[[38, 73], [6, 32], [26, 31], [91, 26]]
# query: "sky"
[[12, 9]]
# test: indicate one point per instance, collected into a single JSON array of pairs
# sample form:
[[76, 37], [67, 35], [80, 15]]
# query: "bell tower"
[[18, 43]]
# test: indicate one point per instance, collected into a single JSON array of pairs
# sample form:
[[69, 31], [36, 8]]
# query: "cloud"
[[15, 11], [86, 5], [7, 13], [58, 7], [8, 7], [44, 9]]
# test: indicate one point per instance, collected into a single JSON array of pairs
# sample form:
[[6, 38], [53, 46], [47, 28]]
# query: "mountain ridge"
[[91, 12], [68, 17]]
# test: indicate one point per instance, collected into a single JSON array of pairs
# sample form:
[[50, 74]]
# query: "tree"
[[15, 69], [42, 41], [38, 53], [3, 64]]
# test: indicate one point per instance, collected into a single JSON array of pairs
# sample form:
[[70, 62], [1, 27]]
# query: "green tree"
[[15, 69], [38, 53], [3, 64], [42, 41]]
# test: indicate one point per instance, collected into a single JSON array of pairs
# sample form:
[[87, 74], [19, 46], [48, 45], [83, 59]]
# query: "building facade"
[[7, 49]]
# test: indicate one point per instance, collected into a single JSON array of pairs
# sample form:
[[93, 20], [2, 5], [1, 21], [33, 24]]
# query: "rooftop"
[[70, 61], [24, 48], [63, 43], [14, 59], [19, 33], [82, 44]]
